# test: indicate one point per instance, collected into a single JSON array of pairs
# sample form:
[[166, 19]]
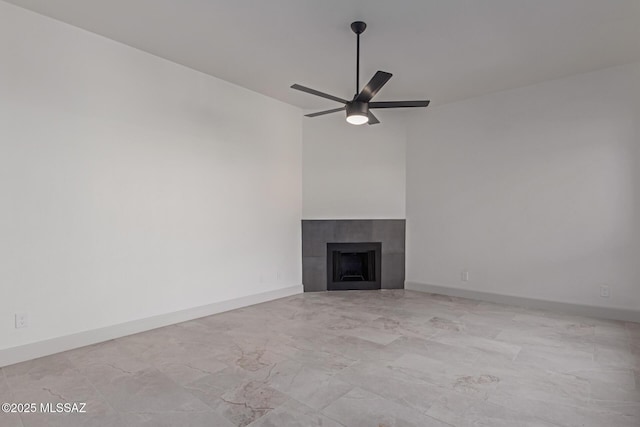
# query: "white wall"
[[535, 191], [131, 186], [354, 172]]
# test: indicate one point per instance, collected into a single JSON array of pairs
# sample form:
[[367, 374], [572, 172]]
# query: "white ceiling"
[[443, 50]]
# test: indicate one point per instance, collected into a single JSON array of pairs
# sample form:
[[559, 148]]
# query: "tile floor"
[[374, 358]]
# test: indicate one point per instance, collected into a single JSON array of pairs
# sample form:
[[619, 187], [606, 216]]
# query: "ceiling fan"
[[359, 108]]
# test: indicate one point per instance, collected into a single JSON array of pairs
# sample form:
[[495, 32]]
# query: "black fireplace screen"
[[353, 266]]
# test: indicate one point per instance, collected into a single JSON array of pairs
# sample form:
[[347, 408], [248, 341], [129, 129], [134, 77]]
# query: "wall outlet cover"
[[22, 320]]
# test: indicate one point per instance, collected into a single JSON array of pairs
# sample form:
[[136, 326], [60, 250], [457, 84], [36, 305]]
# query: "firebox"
[[353, 266]]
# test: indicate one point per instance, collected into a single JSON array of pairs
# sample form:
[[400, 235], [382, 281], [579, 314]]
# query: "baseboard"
[[56, 345], [563, 307]]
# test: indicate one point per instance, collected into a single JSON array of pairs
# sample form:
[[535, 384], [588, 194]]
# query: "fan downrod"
[[358, 27]]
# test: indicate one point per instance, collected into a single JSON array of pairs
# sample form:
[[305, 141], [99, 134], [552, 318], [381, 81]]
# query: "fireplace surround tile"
[[317, 233], [392, 233], [393, 270], [314, 273], [354, 231]]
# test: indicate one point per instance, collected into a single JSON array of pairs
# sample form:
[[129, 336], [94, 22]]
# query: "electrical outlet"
[[604, 291], [464, 276], [22, 320]]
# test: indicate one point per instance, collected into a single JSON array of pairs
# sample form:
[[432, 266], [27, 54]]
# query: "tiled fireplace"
[[353, 254]]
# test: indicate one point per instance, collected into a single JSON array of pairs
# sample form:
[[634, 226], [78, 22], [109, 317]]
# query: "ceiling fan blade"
[[375, 84], [322, 113], [373, 120], [398, 104], [318, 93]]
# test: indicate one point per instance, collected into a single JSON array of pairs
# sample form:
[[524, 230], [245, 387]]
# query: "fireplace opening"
[[352, 266]]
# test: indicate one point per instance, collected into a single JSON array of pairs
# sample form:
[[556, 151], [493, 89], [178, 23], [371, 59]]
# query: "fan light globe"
[[357, 112], [357, 119]]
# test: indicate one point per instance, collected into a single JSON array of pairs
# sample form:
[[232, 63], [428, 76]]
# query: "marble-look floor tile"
[[565, 414], [544, 337], [10, 420], [469, 379], [373, 335], [189, 371], [294, 414], [371, 358], [543, 385], [210, 387], [248, 402], [317, 358], [38, 369], [59, 382], [555, 322], [393, 384], [627, 410], [90, 419], [403, 323], [147, 390], [173, 419], [355, 348], [312, 387], [435, 350], [5, 392], [252, 356], [556, 358], [7, 419], [360, 408], [484, 346], [106, 353], [467, 324], [618, 357], [612, 385], [462, 412]]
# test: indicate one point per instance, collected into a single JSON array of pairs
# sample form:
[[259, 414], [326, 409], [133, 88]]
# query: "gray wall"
[[317, 233]]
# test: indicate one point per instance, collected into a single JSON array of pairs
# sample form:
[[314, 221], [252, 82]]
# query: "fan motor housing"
[[357, 108]]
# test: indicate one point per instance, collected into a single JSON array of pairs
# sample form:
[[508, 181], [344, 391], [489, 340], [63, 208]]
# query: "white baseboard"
[[611, 313], [56, 345]]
